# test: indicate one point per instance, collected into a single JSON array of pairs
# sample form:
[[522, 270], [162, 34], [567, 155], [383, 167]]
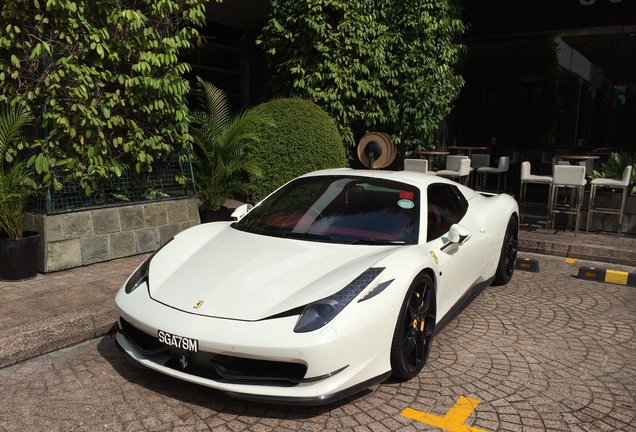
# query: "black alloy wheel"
[[413, 336], [508, 257]]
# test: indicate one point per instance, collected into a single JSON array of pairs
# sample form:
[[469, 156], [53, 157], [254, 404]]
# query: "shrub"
[[305, 139]]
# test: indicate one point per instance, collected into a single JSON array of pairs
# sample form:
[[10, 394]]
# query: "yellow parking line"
[[453, 421]]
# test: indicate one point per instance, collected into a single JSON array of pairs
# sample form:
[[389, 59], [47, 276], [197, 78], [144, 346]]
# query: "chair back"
[[546, 157], [569, 175], [557, 161], [478, 160], [589, 165], [419, 165], [503, 164], [525, 170], [452, 161], [627, 175], [464, 167]]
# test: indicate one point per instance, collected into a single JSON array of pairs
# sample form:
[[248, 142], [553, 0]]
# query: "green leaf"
[[41, 164]]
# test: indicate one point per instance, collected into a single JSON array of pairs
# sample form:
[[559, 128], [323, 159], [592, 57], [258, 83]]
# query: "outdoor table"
[[577, 158], [430, 154], [469, 149]]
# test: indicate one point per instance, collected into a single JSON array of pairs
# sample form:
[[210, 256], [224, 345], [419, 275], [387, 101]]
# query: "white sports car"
[[334, 282]]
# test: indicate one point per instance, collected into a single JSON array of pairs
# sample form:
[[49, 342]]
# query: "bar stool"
[[460, 174], [614, 184], [452, 161], [572, 179], [501, 168], [546, 161], [477, 161], [527, 177], [589, 166], [419, 165]]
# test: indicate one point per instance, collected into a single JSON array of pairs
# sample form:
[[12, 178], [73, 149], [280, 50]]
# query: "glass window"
[[340, 209], [446, 206]]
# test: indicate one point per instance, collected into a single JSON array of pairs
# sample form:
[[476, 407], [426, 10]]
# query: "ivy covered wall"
[[104, 79]]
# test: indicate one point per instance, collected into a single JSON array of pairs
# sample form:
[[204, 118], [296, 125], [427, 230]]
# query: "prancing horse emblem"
[[198, 304], [183, 361]]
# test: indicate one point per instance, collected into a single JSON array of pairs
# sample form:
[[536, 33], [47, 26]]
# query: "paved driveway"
[[548, 352]]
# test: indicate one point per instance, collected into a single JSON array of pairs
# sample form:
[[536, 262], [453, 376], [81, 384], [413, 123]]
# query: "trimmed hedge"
[[303, 139]]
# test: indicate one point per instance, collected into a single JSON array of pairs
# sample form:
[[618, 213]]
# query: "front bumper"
[[273, 397], [262, 360]]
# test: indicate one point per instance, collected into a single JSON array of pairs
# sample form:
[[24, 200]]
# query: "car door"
[[459, 264]]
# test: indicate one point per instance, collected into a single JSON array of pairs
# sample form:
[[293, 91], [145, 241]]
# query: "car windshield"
[[339, 209]]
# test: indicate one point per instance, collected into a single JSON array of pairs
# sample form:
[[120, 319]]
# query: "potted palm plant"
[[18, 248], [221, 140]]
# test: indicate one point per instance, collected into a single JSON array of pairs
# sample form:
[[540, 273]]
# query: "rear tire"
[[413, 336], [506, 266]]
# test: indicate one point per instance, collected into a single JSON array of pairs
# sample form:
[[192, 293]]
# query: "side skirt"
[[463, 302]]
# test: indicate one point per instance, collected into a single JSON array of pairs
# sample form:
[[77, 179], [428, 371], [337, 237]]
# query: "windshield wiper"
[[306, 236], [370, 241]]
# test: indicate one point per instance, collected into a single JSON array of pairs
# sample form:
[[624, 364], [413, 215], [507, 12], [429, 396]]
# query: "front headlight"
[[140, 276], [320, 312]]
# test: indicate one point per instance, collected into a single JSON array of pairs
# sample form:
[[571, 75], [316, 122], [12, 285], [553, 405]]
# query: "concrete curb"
[[579, 251], [61, 331]]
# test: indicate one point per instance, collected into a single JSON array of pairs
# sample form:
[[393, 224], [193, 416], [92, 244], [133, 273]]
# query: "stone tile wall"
[[609, 222], [85, 237]]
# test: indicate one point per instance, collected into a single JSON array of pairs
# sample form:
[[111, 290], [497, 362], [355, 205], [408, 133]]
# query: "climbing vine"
[[104, 80]]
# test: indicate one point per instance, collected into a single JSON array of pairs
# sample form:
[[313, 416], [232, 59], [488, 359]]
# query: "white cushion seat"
[[461, 173], [623, 184], [527, 177], [569, 177], [502, 168]]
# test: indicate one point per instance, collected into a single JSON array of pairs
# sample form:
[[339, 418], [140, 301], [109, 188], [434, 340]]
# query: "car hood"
[[216, 270]]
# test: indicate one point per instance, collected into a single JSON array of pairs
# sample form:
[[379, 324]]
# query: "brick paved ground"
[[547, 352]]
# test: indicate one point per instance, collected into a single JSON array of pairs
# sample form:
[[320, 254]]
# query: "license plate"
[[185, 343]]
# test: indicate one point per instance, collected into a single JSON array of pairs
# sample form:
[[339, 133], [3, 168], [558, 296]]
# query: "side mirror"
[[241, 211], [457, 235]]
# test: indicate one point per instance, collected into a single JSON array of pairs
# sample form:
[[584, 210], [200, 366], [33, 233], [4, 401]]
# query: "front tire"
[[413, 336], [506, 266]]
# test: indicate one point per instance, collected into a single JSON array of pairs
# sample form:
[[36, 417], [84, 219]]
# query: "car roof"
[[414, 178]]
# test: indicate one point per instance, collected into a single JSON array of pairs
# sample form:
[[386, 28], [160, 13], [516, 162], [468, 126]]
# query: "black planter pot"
[[222, 214], [19, 257]]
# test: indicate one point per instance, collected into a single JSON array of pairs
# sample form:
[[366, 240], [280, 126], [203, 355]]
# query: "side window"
[[446, 206]]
